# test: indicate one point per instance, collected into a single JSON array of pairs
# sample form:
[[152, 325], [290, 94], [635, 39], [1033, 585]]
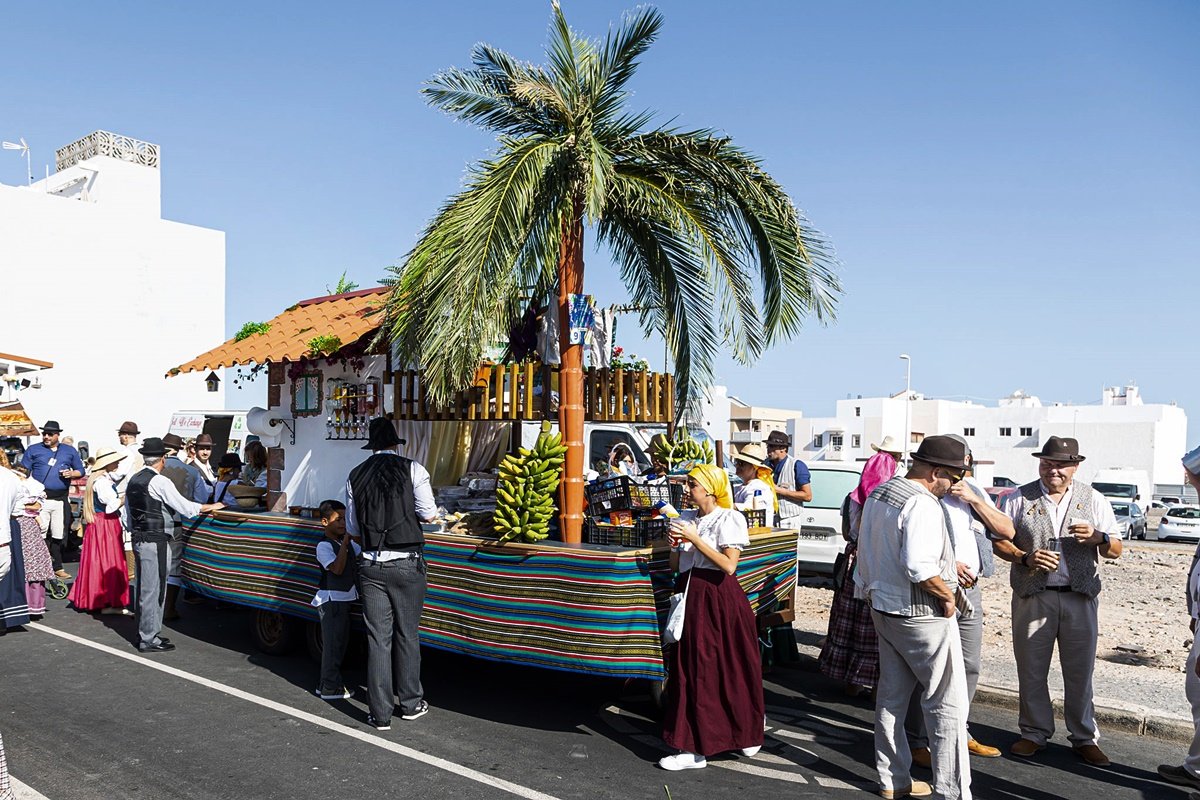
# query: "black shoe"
[[161, 647], [163, 640]]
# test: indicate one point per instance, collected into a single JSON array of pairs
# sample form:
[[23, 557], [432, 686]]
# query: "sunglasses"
[[955, 477]]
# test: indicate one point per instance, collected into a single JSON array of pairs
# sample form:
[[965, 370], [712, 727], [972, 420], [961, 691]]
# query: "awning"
[[340, 315], [15, 422]]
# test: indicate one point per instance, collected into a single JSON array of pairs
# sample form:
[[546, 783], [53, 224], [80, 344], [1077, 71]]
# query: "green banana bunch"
[[684, 451], [526, 486]]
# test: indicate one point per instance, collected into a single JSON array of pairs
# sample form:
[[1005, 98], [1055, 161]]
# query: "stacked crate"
[[622, 512]]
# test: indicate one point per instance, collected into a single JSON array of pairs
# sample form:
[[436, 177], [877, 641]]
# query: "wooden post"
[[528, 391]]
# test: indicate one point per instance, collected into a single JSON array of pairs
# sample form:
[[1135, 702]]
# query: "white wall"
[[114, 295]]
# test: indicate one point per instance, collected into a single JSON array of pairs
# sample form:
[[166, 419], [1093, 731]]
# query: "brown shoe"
[[920, 757], [1092, 755], [917, 789], [62, 574], [1025, 748], [982, 750]]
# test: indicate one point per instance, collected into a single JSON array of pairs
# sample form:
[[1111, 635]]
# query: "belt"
[[1059, 589], [396, 556]]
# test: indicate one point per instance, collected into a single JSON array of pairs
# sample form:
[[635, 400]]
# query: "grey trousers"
[[1191, 687], [1039, 621], [335, 632], [970, 634], [921, 654], [151, 568], [393, 594]]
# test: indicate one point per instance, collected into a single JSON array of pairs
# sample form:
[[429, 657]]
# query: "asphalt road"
[[84, 716]]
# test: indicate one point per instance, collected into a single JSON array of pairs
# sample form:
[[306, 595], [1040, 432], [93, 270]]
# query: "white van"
[[599, 438], [821, 518], [227, 429], [1129, 485]]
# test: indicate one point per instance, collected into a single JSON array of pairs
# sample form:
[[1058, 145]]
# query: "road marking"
[[23, 791], [345, 730], [761, 772]]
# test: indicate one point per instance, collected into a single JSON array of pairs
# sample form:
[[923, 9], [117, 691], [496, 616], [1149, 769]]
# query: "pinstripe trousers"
[[393, 594]]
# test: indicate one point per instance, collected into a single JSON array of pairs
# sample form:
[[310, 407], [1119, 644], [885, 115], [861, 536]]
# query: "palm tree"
[[707, 243]]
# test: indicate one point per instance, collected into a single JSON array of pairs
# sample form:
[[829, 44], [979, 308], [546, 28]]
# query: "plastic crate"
[[756, 518], [640, 534], [620, 493]]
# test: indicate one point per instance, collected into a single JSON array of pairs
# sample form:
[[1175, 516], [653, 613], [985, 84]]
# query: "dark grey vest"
[[349, 577], [896, 492], [1035, 529], [149, 519]]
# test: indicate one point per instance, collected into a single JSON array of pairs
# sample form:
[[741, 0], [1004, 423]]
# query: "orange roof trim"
[[340, 315]]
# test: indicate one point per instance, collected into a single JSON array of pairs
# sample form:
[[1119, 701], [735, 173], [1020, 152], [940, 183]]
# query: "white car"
[[821, 518], [1180, 522]]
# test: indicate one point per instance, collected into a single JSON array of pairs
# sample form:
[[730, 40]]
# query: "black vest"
[[149, 519], [383, 504], [349, 577]]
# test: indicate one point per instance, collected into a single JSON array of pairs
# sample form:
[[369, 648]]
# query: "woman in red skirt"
[[714, 701], [103, 580]]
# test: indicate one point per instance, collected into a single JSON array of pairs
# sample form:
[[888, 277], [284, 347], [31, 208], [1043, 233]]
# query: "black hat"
[[1059, 448], [778, 439], [942, 451], [174, 442], [230, 461], [51, 426], [381, 435], [153, 447]]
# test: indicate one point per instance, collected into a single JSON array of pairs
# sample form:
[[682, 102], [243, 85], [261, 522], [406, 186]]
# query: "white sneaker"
[[750, 752], [421, 710], [344, 694], [682, 761]]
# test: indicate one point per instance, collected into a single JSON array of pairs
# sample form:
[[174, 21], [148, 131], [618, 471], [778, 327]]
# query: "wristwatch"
[[1104, 539]]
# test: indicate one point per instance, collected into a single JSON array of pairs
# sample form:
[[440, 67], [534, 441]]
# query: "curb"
[[1130, 719]]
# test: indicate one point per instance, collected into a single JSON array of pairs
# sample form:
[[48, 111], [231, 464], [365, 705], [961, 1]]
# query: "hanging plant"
[[251, 329]]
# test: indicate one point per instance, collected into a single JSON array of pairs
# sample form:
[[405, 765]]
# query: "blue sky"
[[1013, 188]]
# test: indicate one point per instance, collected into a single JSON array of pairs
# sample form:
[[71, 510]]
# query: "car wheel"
[[274, 633]]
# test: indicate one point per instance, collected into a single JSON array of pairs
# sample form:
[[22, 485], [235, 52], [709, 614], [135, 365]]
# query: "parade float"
[[500, 585]]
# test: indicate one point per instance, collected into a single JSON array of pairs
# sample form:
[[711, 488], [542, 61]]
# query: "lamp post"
[[907, 402]]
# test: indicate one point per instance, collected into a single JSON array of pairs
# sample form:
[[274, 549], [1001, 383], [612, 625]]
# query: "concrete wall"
[[114, 295]]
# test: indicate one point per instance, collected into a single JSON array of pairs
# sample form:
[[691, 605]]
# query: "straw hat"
[[106, 457], [888, 445], [753, 453]]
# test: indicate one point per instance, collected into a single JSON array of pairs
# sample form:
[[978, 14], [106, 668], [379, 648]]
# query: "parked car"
[[1001, 482], [1171, 501], [999, 494], [1180, 522], [1131, 519], [821, 521]]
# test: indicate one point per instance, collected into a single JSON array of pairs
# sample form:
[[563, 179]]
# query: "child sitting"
[[338, 557]]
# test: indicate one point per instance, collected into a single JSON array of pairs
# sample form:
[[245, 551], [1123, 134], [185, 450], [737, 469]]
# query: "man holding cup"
[[1063, 529]]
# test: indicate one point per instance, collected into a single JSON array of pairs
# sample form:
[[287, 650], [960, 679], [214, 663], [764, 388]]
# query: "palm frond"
[[618, 60]]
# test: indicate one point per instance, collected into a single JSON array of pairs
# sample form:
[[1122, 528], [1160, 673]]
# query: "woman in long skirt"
[[14, 606], [103, 580], [39, 567], [714, 700], [851, 651]]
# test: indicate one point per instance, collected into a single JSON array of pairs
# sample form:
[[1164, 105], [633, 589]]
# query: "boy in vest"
[[338, 556], [1063, 529]]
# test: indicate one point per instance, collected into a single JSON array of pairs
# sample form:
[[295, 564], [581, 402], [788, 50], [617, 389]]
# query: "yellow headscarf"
[[767, 476], [714, 479]]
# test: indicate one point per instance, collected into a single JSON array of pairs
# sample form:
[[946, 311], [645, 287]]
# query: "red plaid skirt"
[[851, 651]]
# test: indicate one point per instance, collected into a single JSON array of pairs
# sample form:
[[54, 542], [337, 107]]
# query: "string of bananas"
[[684, 451], [526, 489]]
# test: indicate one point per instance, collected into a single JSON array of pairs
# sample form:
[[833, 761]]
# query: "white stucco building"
[[97, 282], [1119, 431]]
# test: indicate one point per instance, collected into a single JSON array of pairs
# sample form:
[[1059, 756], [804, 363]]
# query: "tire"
[[276, 634]]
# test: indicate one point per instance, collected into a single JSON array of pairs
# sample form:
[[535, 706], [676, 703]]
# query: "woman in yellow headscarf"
[[714, 700]]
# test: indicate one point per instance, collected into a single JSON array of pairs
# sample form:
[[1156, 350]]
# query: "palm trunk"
[[570, 378]]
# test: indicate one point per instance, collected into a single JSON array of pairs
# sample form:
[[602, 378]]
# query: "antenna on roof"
[[24, 148]]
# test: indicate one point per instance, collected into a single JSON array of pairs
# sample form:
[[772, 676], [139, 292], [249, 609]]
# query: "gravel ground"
[[1144, 634]]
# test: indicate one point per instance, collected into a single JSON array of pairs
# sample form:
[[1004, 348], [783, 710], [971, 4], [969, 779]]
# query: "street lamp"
[[907, 402]]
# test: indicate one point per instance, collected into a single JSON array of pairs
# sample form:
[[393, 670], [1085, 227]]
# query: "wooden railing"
[[519, 392]]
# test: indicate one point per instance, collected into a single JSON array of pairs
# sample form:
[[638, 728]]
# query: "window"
[[603, 441], [1027, 431], [858, 411], [819, 440], [968, 431], [916, 438], [830, 487], [835, 439], [856, 441], [1006, 431]]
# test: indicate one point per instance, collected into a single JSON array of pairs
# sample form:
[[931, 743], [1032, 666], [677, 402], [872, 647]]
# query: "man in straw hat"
[[388, 496], [908, 575], [55, 465], [1063, 529], [1189, 773], [792, 479], [152, 506]]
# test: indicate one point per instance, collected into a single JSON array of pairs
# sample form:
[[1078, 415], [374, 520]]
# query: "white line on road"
[[23, 791], [345, 730]]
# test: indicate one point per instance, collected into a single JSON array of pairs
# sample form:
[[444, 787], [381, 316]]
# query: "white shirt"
[[127, 466], [744, 496], [1101, 510], [723, 527], [30, 491], [162, 490], [10, 496], [962, 525], [898, 547], [1194, 586], [106, 493], [422, 499], [326, 555], [205, 468]]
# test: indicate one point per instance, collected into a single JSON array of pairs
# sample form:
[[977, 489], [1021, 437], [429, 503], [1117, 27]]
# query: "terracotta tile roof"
[[339, 315]]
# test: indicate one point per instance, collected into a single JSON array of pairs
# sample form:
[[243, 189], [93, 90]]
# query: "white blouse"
[[723, 527], [106, 493], [30, 491]]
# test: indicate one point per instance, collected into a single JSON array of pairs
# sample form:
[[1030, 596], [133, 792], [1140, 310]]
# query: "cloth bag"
[[675, 614]]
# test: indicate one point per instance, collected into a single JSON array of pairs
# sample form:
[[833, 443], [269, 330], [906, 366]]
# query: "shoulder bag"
[[674, 627]]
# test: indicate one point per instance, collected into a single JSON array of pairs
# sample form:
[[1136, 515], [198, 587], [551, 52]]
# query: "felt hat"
[[942, 451], [203, 440], [753, 453], [381, 435], [1191, 462], [128, 427], [963, 442], [230, 461], [51, 426], [888, 445], [778, 439], [153, 447], [1062, 448], [104, 458], [173, 441]]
